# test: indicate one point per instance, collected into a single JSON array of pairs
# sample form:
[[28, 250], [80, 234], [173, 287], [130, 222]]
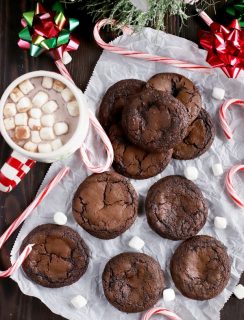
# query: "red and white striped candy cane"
[[28, 211], [222, 115], [141, 55], [229, 185], [160, 311]]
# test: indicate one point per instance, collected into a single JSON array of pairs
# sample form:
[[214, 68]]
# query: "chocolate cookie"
[[155, 121], [176, 208], [199, 138], [200, 267], [134, 162], [105, 205], [115, 99], [133, 282], [59, 257], [181, 88]]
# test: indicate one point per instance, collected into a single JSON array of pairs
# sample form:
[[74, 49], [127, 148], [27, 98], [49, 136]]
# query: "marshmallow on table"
[[21, 119], [35, 113], [47, 82], [40, 99], [58, 85], [9, 110], [78, 302], [56, 144], [34, 124], [50, 107], [220, 222], [136, 243], [191, 173], [67, 94], [24, 104], [168, 295], [218, 93], [46, 133], [73, 108], [30, 146], [22, 133], [217, 169], [16, 94], [239, 291], [26, 86], [66, 58], [60, 218], [61, 128], [48, 120], [35, 137], [9, 123], [44, 147]]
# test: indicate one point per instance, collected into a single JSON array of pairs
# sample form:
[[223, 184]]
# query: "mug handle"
[[107, 144], [14, 170]]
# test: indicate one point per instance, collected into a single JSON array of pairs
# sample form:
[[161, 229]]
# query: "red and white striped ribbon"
[[160, 311], [223, 118], [229, 185], [141, 55], [28, 211]]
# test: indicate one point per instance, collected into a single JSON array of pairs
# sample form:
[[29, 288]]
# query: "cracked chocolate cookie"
[[59, 257], [105, 205], [155, 121], [134, 162], [176, 208], [115, 99], [199, 138], [133, 282], [200, 267], [181, 88]]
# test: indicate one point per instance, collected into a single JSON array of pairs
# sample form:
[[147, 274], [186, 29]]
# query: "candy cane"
[[229, 185], [205, 18], [141, 55], [222, 115], [28, 211], [162, 311]]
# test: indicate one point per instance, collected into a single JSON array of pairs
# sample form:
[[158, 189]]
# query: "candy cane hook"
[[229, 185], [160, 311]]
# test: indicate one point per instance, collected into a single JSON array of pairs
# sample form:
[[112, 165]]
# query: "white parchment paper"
[[110, 69]]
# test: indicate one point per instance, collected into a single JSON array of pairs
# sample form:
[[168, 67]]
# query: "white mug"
[[21, 161]]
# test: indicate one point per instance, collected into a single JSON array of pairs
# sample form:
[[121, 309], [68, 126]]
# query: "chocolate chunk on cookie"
[[105, 205], [200, 267], [199, 138], [115, 99], [133, 282], [134, 162], [59, 257], [176, 208], [155, 121], [181, 88]]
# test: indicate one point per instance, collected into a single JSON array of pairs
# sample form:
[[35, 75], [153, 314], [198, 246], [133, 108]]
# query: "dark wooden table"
[[14, 62]]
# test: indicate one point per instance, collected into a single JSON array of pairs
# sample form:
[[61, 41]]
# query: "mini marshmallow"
[[9, 110], [58, 85], [217, 169], [220, 223], [34, 124], [61, 128], [40, 99], [26, 86], [16, 94], [50, 107], [191, 173], [46, 133], [21, 119], [48, 120], [22, 133], [44, 148], [66, 58], [56, 144], [35, 113], [47, 82], [73, 108], [169, 295], [30, 146], [67, 95], [218, 93], [78, 302], [35, 137], [20, 143], [9, 123], [136, 243], [24, 104], [239, 291], [60, 218]]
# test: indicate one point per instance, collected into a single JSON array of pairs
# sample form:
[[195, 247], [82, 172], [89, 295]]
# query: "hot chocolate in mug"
[[22, 160]]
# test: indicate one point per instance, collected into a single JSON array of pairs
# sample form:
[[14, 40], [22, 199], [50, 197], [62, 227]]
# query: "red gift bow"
[[225, 46]]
